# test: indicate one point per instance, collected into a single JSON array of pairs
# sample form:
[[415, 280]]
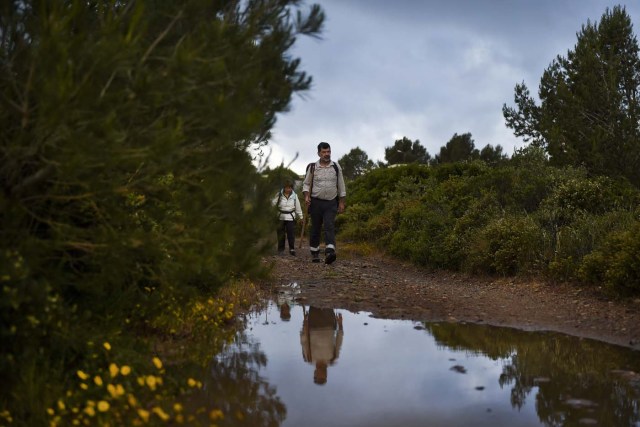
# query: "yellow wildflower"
[[113, 370], [125, 370], [61, 405], [157, 362], [82, 375], [89, 411], [216, 414], [84, 386], [140, 380], [107, 346], [98, 380], [143, 414], [112, 390], [177, 407], [132, 400], [151, 382], [191, 382], [103, 406], [50, 411], [159, 412]]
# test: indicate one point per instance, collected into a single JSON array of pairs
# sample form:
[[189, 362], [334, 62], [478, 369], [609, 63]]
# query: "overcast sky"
[[425, 70]]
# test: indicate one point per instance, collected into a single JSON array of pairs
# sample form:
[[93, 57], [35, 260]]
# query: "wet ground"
[[300, 365], [395, 290]]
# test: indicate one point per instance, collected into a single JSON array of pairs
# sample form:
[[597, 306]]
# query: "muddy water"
[[314, 367]]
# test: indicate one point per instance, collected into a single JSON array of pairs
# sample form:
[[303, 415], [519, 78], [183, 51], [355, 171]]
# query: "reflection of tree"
[[571, 375], [236, 387], [518, 392]]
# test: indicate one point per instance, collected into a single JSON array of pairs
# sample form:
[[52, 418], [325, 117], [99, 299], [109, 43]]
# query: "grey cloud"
[[425, 70]]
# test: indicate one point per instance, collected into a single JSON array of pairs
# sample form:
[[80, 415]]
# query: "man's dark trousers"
[[323, 212]]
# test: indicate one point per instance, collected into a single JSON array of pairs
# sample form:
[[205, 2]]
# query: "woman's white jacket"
[[289, 208]]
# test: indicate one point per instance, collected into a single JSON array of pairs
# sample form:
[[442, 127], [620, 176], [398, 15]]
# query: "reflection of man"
[[321, 338]]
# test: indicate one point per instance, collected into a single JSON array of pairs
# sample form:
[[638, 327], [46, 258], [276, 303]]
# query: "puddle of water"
[[382, 372]]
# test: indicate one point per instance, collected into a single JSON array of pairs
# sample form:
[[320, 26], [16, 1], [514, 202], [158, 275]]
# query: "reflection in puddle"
[[296, 365], [321, 339]]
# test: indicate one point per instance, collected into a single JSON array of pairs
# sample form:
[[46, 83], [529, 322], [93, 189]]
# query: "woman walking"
[[289, 210]]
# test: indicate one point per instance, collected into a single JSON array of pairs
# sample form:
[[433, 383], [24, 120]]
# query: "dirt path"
[[395, 290]]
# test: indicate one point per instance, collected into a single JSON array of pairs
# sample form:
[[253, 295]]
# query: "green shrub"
[[616, 263], [457, 240], [575, 197], [419, 235], [446, 171], [375, 186], [353, 223], [507, 245], [579, 239]]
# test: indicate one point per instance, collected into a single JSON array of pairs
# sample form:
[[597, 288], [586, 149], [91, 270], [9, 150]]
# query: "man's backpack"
[[312, 166]]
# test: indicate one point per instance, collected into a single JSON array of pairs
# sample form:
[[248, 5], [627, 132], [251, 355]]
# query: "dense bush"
[[616, 263], [353, 220], [127, 132], [519, 217], [374, 186], [571, 243], [506, 245]]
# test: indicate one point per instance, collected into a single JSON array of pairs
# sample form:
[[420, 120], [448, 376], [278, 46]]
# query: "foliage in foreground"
[[126, 179], [523, 216]]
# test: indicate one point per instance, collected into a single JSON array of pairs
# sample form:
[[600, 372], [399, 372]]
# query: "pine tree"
[[459, 148], [589, 110], [406, 151], [126, 175]]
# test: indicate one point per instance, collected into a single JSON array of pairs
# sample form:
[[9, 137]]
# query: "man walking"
[[324, 193]]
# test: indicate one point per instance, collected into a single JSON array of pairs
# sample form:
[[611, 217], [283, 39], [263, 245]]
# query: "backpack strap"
[[312, 167], [335, 166]]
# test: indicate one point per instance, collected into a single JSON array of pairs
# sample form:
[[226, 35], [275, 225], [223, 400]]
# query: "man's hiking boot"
[[292, 252], [315, 256], [330, 256]]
